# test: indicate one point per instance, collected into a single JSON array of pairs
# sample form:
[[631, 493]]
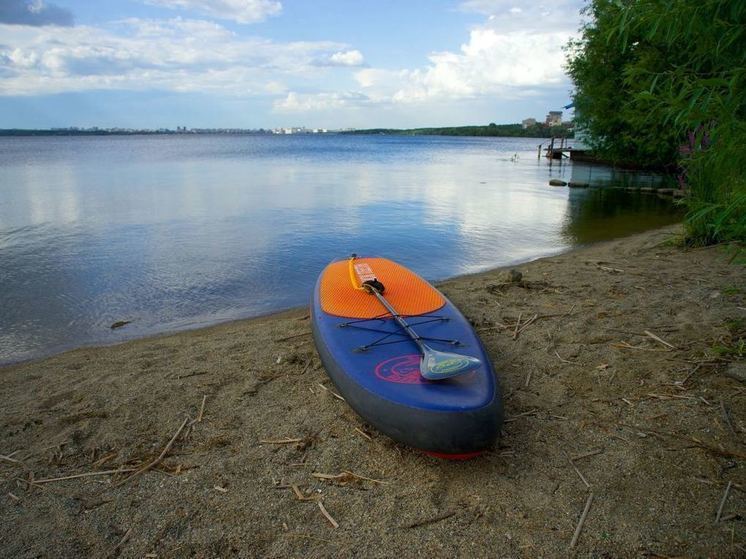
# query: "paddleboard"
[[375, 364]]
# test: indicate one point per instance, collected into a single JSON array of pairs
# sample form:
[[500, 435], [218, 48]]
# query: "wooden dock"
[[558, 148]]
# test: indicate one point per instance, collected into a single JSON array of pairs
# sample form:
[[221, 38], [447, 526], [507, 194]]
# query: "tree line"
[[491, 129]]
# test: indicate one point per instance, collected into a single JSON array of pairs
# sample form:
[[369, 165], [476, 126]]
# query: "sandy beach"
[[623, 380]]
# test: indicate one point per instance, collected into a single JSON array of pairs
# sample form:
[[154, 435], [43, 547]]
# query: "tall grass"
[[716, 181]]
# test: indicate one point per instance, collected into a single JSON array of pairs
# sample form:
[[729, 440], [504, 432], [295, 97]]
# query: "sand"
[[651, 425]]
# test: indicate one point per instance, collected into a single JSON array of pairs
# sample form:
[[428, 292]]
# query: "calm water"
[[172, 232]]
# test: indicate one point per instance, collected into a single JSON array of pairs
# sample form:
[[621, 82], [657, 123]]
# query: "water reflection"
[[602, 214], [173, 232]]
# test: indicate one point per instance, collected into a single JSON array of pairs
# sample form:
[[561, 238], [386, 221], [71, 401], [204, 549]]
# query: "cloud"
[[241, 11], [137, 54], [512, 15], [516, 52], [343, 58], [317, 102], [33, 12], [347, 58]]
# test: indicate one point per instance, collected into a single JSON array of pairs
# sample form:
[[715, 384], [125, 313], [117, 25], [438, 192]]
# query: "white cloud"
[[176, 55], [515, 53], [242, 11], [491, 63], [300, 103], [347, 58], [512, 15]]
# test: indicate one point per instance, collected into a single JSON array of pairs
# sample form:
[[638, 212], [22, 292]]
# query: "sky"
[[279, 63]]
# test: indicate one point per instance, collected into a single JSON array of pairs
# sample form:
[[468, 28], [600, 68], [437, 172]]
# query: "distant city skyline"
[[268, 64]]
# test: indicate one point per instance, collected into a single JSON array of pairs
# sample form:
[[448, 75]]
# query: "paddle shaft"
[[403, 323], [434, 365]]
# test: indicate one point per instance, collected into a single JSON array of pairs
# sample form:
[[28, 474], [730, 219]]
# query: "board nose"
[[406, 291]]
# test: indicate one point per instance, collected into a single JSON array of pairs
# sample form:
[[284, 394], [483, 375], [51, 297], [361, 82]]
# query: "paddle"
[[434, 365]]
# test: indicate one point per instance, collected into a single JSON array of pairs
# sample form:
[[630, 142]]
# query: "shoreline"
[[279, 312], [625, 386], [269, 314]]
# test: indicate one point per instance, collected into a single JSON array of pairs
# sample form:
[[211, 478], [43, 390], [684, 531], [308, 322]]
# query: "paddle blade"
[[438, 365]]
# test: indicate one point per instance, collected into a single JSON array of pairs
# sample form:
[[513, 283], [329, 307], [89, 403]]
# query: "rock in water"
[[557, 182]]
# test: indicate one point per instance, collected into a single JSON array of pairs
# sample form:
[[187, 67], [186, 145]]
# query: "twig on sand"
[[517, 324], [201, 409], [587, 454], [659, 340], [366, 478], [11, 460], [525, 413], [574, 467], [104, 459], [431, 520], [686, 379], [576, 535], [298, 493], [568, 313], [161, 456], [345, 476], [331, 392], [87, 474], [328, 516], [286, 338], [625, 345], [712, 448], [722, 502], [300, 496], [564, 360], [718, 451], [525, 325], [279, 441], [364, 434], [121, 543]]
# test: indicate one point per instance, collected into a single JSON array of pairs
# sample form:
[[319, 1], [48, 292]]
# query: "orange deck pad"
[[407, 292]]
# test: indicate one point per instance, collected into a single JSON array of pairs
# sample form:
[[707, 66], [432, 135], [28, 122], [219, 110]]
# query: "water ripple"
[[177, 232]]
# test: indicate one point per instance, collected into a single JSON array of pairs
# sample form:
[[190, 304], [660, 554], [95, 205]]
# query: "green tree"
[[662, 83]]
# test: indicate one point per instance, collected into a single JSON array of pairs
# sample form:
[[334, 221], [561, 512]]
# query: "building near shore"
[[554, 118], [528, 123]]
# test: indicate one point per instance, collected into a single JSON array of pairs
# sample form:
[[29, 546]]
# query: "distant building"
[[554, 118], [528, 123]]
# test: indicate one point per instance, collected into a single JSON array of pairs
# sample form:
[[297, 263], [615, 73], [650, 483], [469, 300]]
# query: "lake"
[[179, 231]]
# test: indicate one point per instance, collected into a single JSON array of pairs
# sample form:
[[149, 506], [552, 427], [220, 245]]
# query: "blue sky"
[[270, 63]]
